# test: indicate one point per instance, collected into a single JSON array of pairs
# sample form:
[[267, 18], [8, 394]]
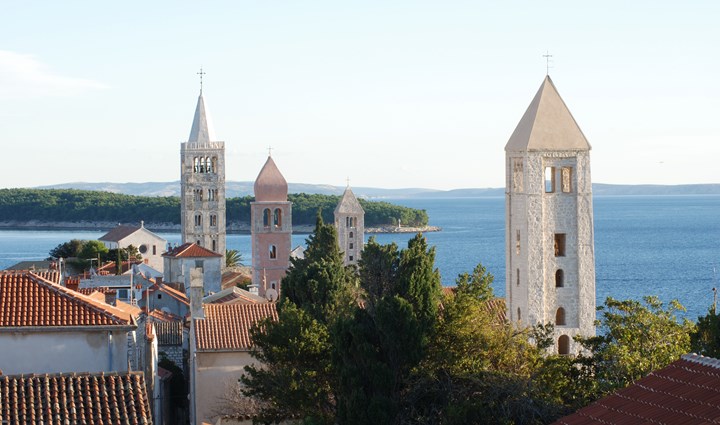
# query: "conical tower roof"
[[547, 125], [202, 130], [270, 185], [349, 204]]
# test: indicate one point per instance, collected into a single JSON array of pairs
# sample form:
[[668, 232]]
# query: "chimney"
[[196, 293]]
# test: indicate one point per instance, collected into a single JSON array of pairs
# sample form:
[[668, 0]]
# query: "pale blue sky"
[[387, 93]]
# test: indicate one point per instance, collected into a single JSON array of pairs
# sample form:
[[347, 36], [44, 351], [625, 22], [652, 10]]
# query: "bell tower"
[[350, 225], [549, 257], [271, 230], [202, 187]]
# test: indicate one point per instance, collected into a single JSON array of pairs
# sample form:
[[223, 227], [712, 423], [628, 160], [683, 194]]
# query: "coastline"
[[232, 227]]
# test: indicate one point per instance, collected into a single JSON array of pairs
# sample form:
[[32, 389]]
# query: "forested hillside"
[[82, 205]]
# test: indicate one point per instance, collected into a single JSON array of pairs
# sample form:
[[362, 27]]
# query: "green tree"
[[93, 249], [295, 376], [68, 249], [706, 338], [635, 339], [233, 258]]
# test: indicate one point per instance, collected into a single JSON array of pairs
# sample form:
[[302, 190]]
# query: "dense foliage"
[[83, 205]]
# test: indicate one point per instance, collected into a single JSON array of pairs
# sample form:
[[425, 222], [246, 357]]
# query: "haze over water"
[[652, 245]]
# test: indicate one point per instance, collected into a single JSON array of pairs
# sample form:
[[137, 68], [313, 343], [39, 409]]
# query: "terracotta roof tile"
[[234, 295], [158, 315], [105, 398], [28, 300], [100, 289], [687, 391], [190, 250], [169, 333], [174, 293], [226, 327]]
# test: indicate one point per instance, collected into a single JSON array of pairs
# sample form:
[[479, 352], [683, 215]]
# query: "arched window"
[[214, 245], [196, 165], [273, 251], [564, 345], [517, 277], [266, 217], [198, 220], [559, 278], [560, 317], [214, 164], [519, 316], [277, 217], [350, 235]]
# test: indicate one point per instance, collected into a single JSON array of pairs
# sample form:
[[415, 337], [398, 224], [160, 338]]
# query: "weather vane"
[[547, 57], [201, 73]]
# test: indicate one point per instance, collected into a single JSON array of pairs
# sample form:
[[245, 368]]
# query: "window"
[[198, 221], [564, 345], [517, 277], [559, 278], [351, 235], [277, 218], [560, 317], [214, 245], [266, 217], [519, 316], [143, 249], [350, 246], [566, 179], [350, 258], [273, 251], [559, 245], [198, 264], [214, 164], [517, 242], [198, 243], [213, 220], [196, 165], [154, 250], [159, 296], [549, 179]]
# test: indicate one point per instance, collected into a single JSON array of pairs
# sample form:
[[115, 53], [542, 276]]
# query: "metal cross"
[[270, 150], [547, 57], [201, 73], [348, 181]]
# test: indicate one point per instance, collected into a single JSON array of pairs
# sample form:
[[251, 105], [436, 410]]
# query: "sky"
[[390, 94]]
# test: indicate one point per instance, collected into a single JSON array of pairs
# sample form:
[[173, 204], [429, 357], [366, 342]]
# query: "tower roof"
[[202, 130], [349, 204], [547, 125], [270, 185]]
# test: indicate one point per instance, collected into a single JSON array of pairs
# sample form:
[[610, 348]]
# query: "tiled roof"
[[119, 233], [28, 300], [685, 392], [105, 398], [226, 327], [111, 267], [158, 315], [169, 333], [100, 289], [174, 293], [231, 278], [190, 250], [234, 295]]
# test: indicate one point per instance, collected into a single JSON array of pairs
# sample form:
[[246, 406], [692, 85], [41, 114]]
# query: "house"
[[220, 347], [163, 297], [180, 260], [171, 341], [233, 295], [74, 398], [685, 392], [47, 328], [150, 245]]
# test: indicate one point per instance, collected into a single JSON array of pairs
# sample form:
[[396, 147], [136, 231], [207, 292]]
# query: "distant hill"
[[239, 189]]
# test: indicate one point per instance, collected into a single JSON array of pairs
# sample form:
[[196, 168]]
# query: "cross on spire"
[[270, 150], [348, 181], [201, 73], [547, 57]]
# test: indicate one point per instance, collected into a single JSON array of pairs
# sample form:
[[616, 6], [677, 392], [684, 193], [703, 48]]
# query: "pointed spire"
[[349, 204], [202, 129], [547, 125], [270, 184]]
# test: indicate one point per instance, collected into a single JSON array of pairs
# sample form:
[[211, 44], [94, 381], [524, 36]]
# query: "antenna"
[[547, 57]]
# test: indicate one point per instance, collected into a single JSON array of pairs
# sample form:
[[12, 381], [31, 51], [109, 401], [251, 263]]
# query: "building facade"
[[202, 176], [271, 229], [350, 226], [550, 261]]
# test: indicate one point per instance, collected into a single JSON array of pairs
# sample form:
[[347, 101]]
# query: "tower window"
[[519, 316], [517, 175], [350, 235], [564, 345], [350, 258], [196, 165], [214, 245], [560, 317], [559, 245], [273, 251], [566, 179], [213, 220], [517, 242], [350, 245], [198, 220], [277, 217], [517, 277], [266, 217], [559, 278], [549, 179]]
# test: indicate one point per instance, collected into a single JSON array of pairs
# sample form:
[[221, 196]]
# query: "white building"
[[350, 226], [180, 260], [150, 245], [549, 257]]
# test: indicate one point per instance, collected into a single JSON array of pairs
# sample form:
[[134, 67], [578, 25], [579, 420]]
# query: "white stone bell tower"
[[350, 226], [549, 256], [202, 187]]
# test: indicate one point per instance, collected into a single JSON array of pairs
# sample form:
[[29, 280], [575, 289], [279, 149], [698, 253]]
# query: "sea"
[[666, 246]]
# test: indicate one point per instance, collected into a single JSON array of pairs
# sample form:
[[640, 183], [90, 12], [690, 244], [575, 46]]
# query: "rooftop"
[[190, 250], [226, 327]]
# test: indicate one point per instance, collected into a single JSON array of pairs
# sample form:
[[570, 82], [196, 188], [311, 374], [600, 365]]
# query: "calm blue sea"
[[667, 246]]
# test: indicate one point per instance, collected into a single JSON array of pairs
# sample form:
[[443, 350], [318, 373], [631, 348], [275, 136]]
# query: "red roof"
[[685, 392], [105, 398], [172, 292], [163, 316], [190, 250], [29, 300], [226, 327]]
